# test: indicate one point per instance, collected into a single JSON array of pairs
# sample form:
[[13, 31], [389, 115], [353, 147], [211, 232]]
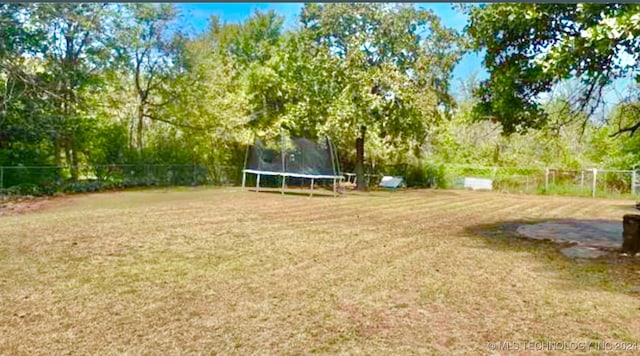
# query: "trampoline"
[[298, 158]]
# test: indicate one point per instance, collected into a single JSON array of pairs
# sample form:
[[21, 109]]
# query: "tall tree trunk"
[[140, 128], [74, 159], [360, 185], [496, 154], [57, 148], [69, 159]]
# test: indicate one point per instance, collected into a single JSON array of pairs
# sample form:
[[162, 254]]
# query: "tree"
[[392, 68], [146, 49], [15, 41], [19, 94], [308, 83], [256, 39], [209, 106], [253, 46], [69, 67], [530, 48]]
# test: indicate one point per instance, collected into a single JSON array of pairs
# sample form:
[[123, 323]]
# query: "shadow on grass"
[[631, 207], [611, 271], [317, 193]]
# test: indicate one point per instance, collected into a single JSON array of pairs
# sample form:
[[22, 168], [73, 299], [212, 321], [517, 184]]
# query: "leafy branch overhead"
[[530, 48]]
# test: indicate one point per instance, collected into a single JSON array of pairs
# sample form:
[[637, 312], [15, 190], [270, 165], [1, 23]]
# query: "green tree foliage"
[[532, 47], [19, 138], [392, 66], [208, 107], [144, 47], [253, 46], [52, 57], [118, 84]]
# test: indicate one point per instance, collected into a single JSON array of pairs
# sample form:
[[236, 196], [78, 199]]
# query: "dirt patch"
[[21, 205], [26, 205]]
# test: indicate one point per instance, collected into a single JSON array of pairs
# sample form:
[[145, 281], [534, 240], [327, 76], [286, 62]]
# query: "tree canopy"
[[104, 84], [530, 48]]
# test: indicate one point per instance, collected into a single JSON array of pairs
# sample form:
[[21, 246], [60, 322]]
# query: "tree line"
[[98, 84]]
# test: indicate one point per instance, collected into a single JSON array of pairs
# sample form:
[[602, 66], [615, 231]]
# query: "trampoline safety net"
[[295, 156]]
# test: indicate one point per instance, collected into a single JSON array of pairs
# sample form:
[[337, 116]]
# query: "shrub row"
[[29, 189]]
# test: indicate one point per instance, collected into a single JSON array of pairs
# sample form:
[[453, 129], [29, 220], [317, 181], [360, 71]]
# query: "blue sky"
[[195, 16]]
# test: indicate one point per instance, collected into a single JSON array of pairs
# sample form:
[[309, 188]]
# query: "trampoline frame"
[[284, 175], [337, 178]]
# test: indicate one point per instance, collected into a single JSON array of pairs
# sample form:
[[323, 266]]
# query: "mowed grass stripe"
[[465, 210], [295, 275], [370, 208], [295, 216]]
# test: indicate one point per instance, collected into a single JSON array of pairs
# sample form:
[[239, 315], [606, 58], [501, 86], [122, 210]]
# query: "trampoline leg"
[[258, 183], [334, 187], [244, 179], [283, 180], [311, 194]]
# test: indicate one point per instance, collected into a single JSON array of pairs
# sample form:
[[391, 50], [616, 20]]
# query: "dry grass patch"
[[221, 270]]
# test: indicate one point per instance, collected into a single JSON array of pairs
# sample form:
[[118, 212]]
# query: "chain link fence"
[[590, 182], [43, 180], [524, 180]]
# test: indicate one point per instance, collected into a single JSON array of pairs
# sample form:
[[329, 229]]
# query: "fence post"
[[633, 182], [582, 180], [546, 180], [593, 187], [1, 177]]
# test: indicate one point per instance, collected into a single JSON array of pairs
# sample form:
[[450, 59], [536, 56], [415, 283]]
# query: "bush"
[[422, 175], [23, 190], [415, 177], [91, 186], [435, 175]]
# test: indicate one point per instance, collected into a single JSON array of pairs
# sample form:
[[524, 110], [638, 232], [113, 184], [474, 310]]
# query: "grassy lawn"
[[221, 270]]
